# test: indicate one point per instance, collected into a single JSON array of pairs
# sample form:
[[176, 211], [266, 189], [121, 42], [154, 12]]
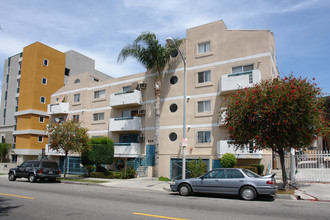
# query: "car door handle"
[[241, 180]]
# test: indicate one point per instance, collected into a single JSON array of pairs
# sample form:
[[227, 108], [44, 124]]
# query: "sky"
[[101, 28]]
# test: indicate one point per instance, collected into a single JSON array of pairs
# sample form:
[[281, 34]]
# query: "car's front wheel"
[[32, 178], [185, 190], [248, 193], [11, 176]]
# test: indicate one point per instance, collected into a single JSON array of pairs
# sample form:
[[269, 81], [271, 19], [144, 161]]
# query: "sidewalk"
[[313, 191]]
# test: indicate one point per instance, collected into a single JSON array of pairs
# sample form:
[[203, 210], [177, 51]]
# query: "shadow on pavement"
[[263, 198], [4, 209]]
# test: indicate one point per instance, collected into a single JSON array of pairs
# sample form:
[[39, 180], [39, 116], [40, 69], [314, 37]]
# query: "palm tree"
[[147, 50]]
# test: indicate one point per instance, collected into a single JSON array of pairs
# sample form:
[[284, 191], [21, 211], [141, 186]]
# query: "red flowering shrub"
[[279, 114]]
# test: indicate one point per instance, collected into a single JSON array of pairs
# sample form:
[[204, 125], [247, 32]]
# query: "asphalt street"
[[43, 200]]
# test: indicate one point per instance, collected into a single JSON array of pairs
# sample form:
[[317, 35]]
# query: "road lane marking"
[[158, 216], [24, 197]]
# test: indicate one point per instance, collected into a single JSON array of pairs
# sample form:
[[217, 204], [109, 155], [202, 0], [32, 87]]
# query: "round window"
[[120, 164], [173, 80], [173, 108], [173, 136]]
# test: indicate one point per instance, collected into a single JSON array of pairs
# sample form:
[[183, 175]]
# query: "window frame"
[[42, 98], [44, 79], [99, 94], [76, 100], [204, 74], [204, 137], [98, 117], [42, 119], [206, 47], [42, 139], [203, 102], [45, 62]]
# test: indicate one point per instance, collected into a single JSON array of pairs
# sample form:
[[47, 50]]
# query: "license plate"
[[50, 172]]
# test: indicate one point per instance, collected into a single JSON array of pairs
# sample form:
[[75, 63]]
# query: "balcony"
[[126, 99], [241, 153], [126, 124], [236, 81], [49, 151], [58, 108], [127, 150]]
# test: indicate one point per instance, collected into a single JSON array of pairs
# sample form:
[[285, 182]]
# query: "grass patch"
[[83, 180], [3, 174], [281, 191]]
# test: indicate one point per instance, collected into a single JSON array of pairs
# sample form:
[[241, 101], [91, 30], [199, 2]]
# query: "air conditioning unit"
[[142, 112], [141, 138], [143, 85]]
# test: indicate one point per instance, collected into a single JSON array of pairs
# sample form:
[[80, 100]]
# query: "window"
[[173, 107], [56, 99], [233, 174], [75, 118], [241, 69], [204, 106], [98, 116], [76, 98], [40, 138], [215, 174], [44, 81], [204, 47], [173, 80], [204, 76], [43, 100], [126, 88], [46, 62], [203, 137], [41, 119], [99, 94], [173, 136]]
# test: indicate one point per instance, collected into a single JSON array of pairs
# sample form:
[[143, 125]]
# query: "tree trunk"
[[157, 88], [284, 176], [66, 163]]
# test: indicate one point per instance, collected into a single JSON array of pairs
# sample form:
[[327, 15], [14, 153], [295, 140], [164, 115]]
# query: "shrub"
[[163, 178], [129, 173], [107, 175], [228, 160], [196, 168], [260, 168]]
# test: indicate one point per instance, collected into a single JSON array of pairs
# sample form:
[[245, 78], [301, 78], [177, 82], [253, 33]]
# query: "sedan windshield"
[[249, 173]]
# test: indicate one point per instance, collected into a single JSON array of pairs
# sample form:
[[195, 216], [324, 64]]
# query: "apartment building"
[[29, 79], [219, 62]]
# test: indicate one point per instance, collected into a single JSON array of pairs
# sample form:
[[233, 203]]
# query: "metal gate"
[[312, 166]]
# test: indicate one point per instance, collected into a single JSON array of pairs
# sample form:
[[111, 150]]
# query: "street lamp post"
[[184, 139]]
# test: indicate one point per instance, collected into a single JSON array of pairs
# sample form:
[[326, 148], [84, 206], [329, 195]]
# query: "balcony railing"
[[131, 150], [58, 108], [126, 124], [246, 152], [236, 81], [49, 151], [126, 99]]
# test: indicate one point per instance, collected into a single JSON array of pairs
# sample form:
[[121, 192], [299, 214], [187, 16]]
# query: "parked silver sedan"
[[235, 181]]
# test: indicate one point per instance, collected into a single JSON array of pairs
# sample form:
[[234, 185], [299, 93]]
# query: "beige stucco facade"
[[214, 56]]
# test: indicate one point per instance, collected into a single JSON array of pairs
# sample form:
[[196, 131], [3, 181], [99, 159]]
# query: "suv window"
[[24, 164], [48, 164], [35, 164], [29, 164]]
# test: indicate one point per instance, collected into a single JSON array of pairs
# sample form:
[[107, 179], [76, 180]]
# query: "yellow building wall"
[[32, 89], [29, 141], [33, 70], [31, 121]]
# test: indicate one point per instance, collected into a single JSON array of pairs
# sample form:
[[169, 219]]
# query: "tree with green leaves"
[[4, 150], [147, 50], [67, 136], [100, 151], [279, 114], [196, 168]]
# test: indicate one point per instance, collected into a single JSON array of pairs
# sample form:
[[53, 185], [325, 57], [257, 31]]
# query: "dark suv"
[[36, 169]]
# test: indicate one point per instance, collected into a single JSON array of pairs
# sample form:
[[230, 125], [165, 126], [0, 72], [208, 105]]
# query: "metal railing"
[[141, 161]]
